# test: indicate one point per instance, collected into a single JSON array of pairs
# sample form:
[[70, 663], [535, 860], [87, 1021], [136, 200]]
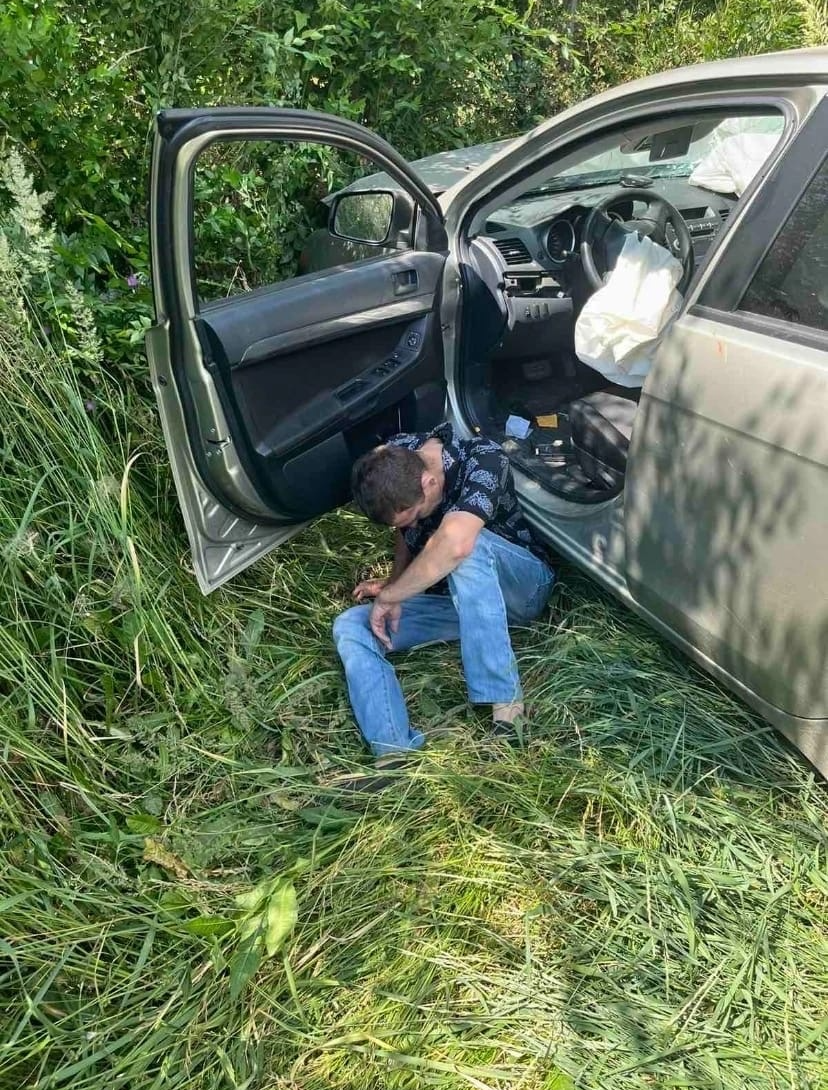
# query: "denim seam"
[[389, 712]]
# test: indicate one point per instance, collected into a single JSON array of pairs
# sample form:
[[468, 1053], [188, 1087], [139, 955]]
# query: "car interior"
[[313, 369], [528, 276]]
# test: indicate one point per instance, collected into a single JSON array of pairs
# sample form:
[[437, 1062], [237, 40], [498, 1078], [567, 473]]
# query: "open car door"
[[271, 380]]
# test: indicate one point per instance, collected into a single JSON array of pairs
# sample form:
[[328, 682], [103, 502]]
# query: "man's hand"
[[385, 616], [368, 588]]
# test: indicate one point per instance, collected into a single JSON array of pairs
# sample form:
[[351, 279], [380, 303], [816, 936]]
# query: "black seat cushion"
[[601, 428]]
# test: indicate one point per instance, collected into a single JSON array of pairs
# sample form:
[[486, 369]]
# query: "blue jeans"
[[498, 584]]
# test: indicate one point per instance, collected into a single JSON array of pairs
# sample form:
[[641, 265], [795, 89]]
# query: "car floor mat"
[[559, 474]]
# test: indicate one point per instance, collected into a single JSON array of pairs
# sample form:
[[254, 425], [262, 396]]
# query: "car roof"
[[801, 65]]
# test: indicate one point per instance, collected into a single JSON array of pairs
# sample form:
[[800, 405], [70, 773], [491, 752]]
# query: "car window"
[[641, 148], [261, 209], [714, 149], [792, 281]]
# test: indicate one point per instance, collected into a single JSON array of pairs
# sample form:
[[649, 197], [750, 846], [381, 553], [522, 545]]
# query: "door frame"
[[229, 524], [182, 136]]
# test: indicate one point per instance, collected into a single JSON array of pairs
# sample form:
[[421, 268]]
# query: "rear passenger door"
[[726, 500], [270, 379]]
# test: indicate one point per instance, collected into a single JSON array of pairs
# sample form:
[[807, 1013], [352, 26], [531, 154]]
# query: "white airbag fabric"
[[732, 161], [619, 327]]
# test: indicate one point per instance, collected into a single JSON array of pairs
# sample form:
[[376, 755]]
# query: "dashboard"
[[538, 237]]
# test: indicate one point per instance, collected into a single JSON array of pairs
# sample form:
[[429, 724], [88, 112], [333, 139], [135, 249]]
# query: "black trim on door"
[[757, 231]]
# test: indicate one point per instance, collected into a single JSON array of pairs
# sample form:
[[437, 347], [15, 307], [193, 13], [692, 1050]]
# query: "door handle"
[[404, 281]]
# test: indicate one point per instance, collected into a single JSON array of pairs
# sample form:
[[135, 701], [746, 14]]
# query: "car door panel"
[[301, 362], [726, 495], [268, 396], [725, 507], [222, 541], [319, 307]]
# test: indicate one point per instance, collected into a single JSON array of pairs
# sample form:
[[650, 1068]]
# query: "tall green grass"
[[638, 900]]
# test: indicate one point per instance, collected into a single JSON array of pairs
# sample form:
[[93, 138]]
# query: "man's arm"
[[450, 544], [402, 557], [370, 588]]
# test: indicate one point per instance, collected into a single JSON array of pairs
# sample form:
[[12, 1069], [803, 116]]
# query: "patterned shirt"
[[478, 479]]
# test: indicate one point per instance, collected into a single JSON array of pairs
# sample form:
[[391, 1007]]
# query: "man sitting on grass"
[[465, 567]]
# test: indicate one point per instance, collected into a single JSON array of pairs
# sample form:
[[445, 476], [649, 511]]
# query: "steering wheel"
[[603, 237]]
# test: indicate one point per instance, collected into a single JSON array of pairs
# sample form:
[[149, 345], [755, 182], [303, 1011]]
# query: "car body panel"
[[725, 506], [720, 536], [440, 171], [726, 500], [598, 548], [222, 544]]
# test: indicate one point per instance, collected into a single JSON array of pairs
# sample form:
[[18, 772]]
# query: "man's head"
[[395, 486]]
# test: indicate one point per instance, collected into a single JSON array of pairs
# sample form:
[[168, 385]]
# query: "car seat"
[[601, 426]]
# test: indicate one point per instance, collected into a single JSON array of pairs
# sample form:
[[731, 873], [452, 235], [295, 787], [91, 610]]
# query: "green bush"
[[187, 903], [79, 84], [616, 42]]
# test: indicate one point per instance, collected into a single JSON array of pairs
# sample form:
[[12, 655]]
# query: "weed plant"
[[637, 899]]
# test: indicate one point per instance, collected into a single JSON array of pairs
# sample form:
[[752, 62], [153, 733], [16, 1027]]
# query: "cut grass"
[[639, 899]]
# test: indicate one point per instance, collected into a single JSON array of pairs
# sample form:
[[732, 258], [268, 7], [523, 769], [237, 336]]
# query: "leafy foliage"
[[615, 42], [187, 902], [79, 84], [255, 205]]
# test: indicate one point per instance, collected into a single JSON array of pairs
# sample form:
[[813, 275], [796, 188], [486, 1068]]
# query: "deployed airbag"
[[732, 162], [619, 327]]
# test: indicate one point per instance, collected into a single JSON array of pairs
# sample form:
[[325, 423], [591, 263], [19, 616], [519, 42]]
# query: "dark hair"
[[387, 480]]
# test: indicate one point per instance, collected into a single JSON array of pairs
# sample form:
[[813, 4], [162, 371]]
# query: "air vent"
[[513, 250], [723, 214]]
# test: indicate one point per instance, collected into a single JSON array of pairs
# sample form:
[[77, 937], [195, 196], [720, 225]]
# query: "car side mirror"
[[376, 217]]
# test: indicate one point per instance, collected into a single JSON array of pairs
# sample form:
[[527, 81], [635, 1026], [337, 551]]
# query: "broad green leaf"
[[146, 824], [282, 915], [208, 925], [253, 898], [173, 899], [300, 865], [243, 965], [249, 926]]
